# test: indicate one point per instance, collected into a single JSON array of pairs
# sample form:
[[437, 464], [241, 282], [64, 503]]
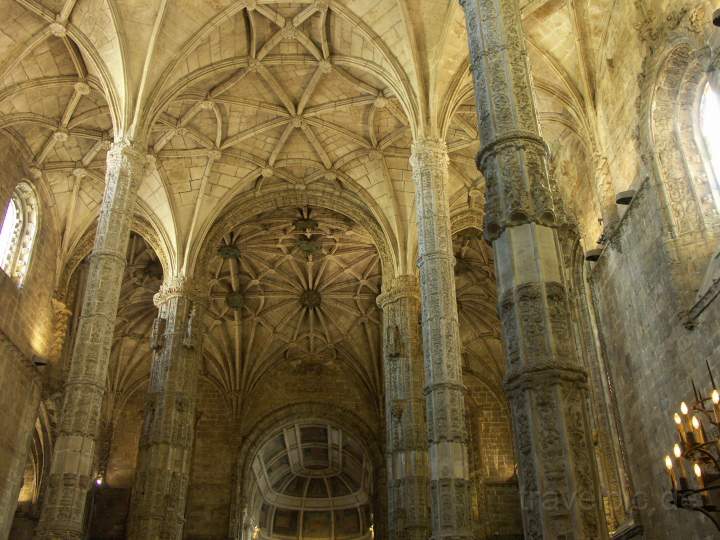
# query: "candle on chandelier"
[[680, 427], [670, 472], [682, 472], [698, 429], [715, 396], [698, 475], [689, 435]]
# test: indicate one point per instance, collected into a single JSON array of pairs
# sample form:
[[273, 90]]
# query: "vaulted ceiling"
[[295, 287], [239, 98]]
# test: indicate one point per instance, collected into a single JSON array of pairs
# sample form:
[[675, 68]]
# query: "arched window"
[[710, 129], [17, 234]]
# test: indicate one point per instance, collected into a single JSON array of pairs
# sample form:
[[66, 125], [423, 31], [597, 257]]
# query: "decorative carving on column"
[[545, 382], [166, 443], [72, 470], [444, 390], [61, 315], [406, 446]]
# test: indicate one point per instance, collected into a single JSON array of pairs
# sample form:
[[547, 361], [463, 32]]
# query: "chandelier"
[[694, 466]]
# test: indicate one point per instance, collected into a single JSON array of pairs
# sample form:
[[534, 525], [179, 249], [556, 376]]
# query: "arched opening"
[[310, 480], [291, 318], [17, 235], [710, 130]]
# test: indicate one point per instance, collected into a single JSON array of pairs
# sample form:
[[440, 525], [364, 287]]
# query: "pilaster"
[[407, 449], [166, 443], [545, 381], [444, 390], [72, 469]]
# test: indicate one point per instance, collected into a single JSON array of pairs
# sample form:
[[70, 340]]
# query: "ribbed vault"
[[297, 287], [243, 97]]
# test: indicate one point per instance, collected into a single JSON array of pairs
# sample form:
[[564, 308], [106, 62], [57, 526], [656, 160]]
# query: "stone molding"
[[401, 287], [179, 287]]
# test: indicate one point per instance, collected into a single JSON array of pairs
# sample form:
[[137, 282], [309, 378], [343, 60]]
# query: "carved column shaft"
[[444, 390], [72, 469], [545, 382], [407, 449], [163, 472]]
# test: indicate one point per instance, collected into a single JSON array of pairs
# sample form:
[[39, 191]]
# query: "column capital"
[[178, 287], [400, 287], [126, 148], [429, 152]]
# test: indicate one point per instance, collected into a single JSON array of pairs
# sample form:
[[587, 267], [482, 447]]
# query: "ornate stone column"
[[444, 390], [72, 469], [545, 382], [166, 443], [407, 449]]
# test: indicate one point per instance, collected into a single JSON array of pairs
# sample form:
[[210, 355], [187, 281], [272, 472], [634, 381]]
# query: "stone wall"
[[652, 356], [19, 399], [26, 330], [492, 463], [211, 475]]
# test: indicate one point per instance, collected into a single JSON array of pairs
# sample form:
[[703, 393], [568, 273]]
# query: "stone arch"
[[671, 141], [84, 246], [338, 200], [469, 218]]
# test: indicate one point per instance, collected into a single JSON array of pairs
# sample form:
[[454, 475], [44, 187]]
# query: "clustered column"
[[444, 390], [407, 449], [166, 443], [72, 470], [545, 382]]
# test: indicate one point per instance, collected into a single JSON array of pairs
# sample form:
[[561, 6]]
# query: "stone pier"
[[166, 443], [444, 390], [407, 449], [73, 462], [545, 381]]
